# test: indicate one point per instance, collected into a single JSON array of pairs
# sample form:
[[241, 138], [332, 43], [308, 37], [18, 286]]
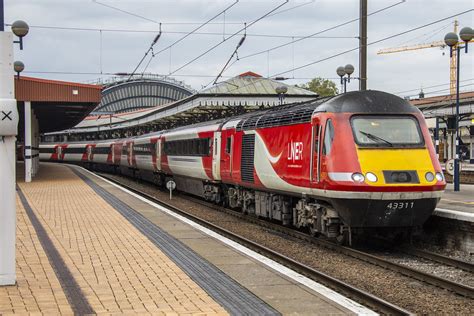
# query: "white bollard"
[[8, 131]]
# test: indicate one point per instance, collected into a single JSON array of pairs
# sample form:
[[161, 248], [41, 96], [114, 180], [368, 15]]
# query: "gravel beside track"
[[428, 266], [406, 292]]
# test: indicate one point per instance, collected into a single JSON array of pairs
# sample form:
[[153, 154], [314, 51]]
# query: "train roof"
[[282, 115], [369, 101]]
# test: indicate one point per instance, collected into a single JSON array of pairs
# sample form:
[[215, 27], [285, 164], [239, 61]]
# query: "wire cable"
[[429, 87], [47, 27], [124, 11], [320, 32], [242, 40], [150, 49], [375, 42], [228, 38], [189, 33]]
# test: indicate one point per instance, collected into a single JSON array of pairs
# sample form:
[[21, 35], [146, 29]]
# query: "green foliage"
[[323, 87]]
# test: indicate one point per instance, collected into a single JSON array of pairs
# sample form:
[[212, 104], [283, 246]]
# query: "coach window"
[[328, 137]]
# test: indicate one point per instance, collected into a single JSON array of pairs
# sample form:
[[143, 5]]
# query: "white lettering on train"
[[295, 151]]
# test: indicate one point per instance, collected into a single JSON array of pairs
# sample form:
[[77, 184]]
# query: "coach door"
[[158, 153], [316, 151], [216, 156]]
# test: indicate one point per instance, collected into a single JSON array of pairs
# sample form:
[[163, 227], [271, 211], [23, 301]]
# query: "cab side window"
[[328, 137], [228, 145]]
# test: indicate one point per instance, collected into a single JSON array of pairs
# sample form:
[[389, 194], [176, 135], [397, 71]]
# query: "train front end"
[[396, 180]]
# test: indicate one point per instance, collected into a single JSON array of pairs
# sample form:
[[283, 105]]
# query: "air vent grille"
[[247, 160]]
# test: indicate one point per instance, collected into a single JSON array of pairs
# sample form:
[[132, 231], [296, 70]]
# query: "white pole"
[[8, 131], [28, 144]]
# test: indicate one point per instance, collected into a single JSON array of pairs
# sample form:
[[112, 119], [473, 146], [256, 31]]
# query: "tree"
[[323, 87]]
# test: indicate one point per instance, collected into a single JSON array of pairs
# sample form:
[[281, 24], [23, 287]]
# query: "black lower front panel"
[[384, 213]]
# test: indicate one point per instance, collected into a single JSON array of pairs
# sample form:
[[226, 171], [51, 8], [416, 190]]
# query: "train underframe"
[[336, 219]]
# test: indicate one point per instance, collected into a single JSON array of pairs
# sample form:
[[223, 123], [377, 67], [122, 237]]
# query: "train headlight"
[[357, 177], [439, 176], [429, 176], [371, 177]]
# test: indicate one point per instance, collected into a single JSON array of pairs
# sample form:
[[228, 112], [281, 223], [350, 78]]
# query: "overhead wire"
[[320, 32], [372, 43], [191, 32], [150, 49], [429, 87], [228, 38], [230, 58], [178, 32], [124, 11]]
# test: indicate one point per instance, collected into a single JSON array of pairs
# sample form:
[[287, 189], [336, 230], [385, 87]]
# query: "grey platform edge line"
[[232, 296], [76, 298]]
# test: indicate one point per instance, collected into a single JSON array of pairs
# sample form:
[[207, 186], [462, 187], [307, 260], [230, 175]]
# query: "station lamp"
[[281, 90], [20, 29], [18, 66], [342, 71], [451, 39]]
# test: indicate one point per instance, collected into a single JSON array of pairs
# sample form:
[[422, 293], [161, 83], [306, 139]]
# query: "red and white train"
[[336, 165]]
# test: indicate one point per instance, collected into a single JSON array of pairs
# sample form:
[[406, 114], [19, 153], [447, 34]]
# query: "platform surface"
[[85, 246], [457, 205]]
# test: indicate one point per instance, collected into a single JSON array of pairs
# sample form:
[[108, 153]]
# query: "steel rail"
[[452, 286], [359, 295]]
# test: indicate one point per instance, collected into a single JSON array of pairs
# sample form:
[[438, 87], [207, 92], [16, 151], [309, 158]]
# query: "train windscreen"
[[386, 131]]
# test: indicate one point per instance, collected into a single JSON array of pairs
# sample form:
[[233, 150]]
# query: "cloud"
[[80, 51]]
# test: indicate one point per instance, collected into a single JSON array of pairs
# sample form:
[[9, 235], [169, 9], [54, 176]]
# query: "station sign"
[[171, 185], [8, 117], [450, 166]]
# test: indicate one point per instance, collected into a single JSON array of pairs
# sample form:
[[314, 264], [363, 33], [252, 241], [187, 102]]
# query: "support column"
[[363, 45], [28, 145], [436, 137], [8, 131], [471, 134], [35, 142]]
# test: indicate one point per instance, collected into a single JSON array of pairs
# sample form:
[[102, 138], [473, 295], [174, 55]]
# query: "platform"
[[457, 205], [85, 246]]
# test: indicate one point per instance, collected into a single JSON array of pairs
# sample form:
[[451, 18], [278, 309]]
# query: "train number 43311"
[[400, 205]]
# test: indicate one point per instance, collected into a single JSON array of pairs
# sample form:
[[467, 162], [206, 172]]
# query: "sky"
[[116, 40]]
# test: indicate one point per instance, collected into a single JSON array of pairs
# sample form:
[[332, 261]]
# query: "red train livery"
[[334, 166]]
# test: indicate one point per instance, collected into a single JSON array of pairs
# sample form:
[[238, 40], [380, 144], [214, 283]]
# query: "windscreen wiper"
[[376, 138]]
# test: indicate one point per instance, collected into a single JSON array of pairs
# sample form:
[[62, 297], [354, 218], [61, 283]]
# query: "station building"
[[440, 112], [113, 118]]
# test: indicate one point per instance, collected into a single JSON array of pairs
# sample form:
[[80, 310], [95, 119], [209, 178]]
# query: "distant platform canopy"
[[121, 95], [57, 105]]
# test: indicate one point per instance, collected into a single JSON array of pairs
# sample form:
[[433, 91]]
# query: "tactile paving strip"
[[76, 298], [236, 299]]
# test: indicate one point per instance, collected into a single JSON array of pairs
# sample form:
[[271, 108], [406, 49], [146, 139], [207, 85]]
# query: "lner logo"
[[295, 151]]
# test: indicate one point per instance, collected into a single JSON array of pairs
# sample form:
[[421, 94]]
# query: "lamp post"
[[18, 66], [281, 90], [20, 29], [342, 71], [451, 39]]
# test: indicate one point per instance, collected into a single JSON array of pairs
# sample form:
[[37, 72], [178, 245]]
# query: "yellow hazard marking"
[[377, 160], [457, 201]]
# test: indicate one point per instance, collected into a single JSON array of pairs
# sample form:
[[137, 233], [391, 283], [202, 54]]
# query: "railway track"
[[428, 255], [461, 289], [348, 290]]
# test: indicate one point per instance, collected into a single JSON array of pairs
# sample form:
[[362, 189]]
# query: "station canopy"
[[57, 105], [243, 93]]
